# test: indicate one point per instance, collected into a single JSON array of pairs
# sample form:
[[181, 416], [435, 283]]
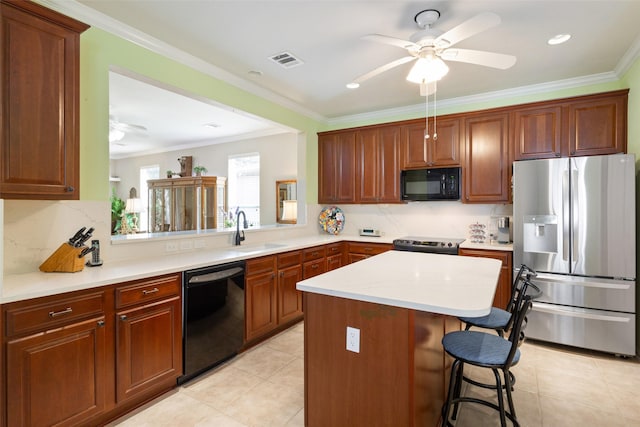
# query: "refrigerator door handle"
[[575, 218], [565, 216], [551, 309]]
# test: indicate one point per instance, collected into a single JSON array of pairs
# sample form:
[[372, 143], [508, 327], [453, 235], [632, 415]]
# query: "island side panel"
[[343, 388], [431, 365]]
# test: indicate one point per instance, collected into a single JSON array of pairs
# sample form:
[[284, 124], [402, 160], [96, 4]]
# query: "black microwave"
[[430, 184]]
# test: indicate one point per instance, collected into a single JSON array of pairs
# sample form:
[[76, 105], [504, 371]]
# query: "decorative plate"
[[331, 219]]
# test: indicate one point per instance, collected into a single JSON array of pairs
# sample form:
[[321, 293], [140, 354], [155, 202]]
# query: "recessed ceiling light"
[[212, 125], [353, 85], [558, 39], [255, 73]]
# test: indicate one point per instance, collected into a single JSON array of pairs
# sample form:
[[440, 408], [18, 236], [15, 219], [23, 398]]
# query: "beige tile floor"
[[556, 387]]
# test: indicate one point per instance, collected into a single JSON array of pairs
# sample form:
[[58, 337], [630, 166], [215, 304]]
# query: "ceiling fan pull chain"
[[426, 114], [435, 110]]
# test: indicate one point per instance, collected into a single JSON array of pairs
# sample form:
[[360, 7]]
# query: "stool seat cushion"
[[496, 319], [479, 348]]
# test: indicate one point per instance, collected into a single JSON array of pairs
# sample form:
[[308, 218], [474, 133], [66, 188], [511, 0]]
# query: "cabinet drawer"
[[53, 312], [261, 265], [369, 248], [313, 268], [145, 290], [504, 256], [334, 249], [310, 254], [288, 259]]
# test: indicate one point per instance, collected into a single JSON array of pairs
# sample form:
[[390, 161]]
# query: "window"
[[243, 186], [146, 173]]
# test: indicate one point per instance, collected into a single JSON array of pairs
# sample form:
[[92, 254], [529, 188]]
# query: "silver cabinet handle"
[[152, 291], [60, 313], [101, 323], [123, 317]]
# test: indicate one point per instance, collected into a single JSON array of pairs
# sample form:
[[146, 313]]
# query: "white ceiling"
[[236, 37]]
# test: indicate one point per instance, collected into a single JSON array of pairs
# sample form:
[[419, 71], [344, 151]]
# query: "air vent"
[[286, 60]]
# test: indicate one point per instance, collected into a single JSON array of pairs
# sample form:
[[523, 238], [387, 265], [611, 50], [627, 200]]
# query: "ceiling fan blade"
[[384, 68], [468, 28], [393, 41], [479, 57]]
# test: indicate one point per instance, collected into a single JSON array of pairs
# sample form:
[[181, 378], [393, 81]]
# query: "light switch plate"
[[353, 339]]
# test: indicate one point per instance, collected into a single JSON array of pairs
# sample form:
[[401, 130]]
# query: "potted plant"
[[117, 207], [199, 170], [169, 174]]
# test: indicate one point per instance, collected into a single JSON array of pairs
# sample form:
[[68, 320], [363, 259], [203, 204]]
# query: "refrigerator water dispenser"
[[540, 234]]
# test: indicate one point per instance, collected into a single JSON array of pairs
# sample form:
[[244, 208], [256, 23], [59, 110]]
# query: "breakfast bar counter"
[[402, 304]]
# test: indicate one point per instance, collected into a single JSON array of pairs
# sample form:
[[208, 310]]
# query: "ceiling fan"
[[432, 46], [118, 130]]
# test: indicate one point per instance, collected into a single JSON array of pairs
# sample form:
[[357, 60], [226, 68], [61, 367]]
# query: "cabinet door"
[[57, 377], [368, 151], [337, 168], [598, 126], [444, 150], [334, 261], [503, 291], [261, 305], [421, 152], [289, 298], [538, 133], [486, 164], [148, 348], [388, 175], [39, 88]]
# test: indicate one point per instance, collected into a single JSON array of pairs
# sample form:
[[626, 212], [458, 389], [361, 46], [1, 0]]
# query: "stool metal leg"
[[503, 420], [458, 390], [508, 387], [452, 384]]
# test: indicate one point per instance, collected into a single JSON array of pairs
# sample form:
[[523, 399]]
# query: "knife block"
[[64, 259]]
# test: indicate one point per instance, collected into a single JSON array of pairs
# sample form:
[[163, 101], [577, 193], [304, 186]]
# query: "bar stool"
[[490, 351], [499, 319]]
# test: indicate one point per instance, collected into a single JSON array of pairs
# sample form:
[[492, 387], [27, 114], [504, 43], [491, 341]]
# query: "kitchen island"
[[401, 303]]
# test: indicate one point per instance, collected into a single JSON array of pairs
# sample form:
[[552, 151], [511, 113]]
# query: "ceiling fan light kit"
[[427, 70]]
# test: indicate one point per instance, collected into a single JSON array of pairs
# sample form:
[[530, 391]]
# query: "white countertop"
[[35, 284], [443, 284]]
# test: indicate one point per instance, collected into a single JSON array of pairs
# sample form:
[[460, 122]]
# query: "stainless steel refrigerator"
[[574, 223]]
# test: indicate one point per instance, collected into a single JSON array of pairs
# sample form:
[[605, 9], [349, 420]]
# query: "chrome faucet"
[[240, 237]]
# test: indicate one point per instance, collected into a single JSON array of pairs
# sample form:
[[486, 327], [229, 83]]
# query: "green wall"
[[100, 49]]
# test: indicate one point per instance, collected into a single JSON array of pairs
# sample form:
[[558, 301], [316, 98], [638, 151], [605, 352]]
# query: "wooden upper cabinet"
[[486, 167], [337, 167], [598, 124], [538, 133], [40, 136], [443, 150], [378, 165]]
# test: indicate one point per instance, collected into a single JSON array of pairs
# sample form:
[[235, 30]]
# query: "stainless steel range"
[[436, 245]]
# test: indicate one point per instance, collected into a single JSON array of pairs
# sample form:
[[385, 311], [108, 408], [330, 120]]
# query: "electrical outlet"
[[186, 245], [172, 246], [353, 339], [199, 244]]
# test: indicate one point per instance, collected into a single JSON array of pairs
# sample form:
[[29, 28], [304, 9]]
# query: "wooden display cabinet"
[[190, 203]]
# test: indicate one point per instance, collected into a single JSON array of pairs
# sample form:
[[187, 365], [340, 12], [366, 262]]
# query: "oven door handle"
[[203, 279]]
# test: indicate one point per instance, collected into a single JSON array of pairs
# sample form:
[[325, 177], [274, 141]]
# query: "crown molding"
[[94, 18], [479, 98]]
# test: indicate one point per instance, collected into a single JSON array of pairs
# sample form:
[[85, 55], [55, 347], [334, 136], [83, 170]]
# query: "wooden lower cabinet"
[[149, 351], [289, 298], [357, 251], [335, 255], [503, 291], [87, 357], [57, 377], [261, 303], [271, 297]]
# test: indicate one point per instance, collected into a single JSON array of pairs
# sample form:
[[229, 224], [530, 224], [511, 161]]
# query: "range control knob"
[[450, 244]]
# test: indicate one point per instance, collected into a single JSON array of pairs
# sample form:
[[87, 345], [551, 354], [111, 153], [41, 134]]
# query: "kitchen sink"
[[258, 248]]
